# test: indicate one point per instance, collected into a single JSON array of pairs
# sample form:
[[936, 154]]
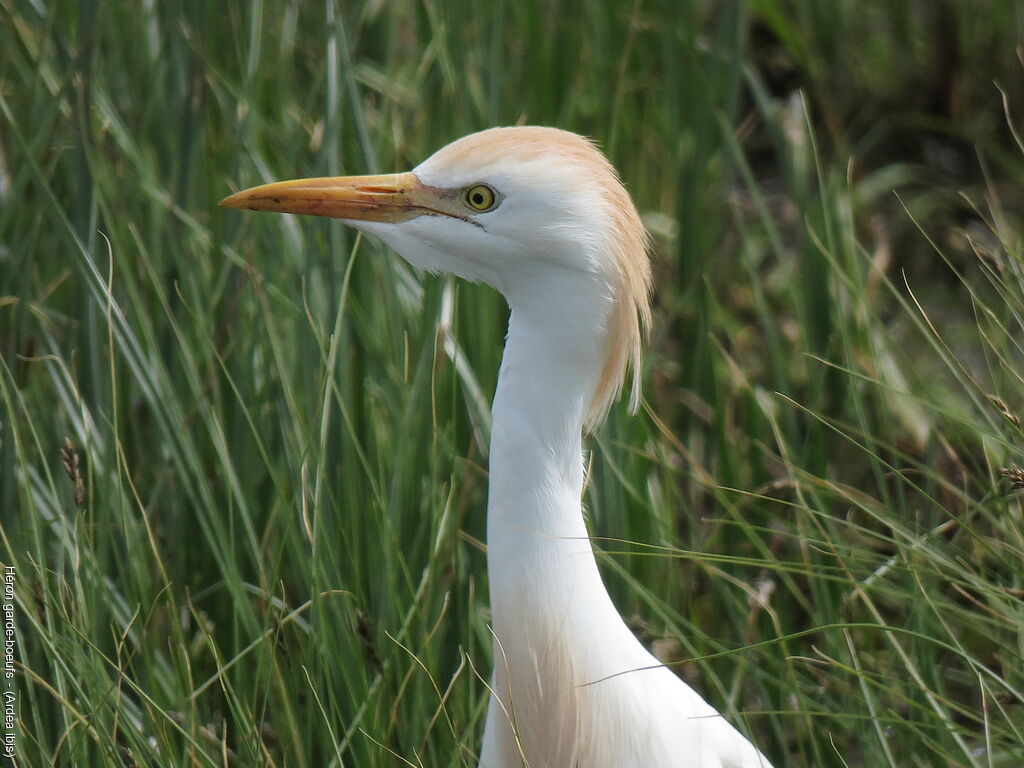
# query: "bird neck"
[[537, 539]]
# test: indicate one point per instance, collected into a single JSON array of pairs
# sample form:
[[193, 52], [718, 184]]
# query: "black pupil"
[[478, 198]]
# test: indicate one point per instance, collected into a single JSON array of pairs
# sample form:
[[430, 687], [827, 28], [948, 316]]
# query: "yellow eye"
[[480, 197]]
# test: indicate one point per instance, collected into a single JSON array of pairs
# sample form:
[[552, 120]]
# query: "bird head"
[[532, 211]]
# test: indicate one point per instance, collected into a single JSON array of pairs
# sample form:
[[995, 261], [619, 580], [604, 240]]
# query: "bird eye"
[[480, 197]]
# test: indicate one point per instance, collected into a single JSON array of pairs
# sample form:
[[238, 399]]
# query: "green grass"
[[267, 550]]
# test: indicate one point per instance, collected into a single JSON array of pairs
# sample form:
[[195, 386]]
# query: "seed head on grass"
[[1004, 409], [72, 460], [1016, 476]]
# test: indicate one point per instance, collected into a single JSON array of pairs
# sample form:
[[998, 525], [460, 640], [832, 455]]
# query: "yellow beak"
[[393, 197]]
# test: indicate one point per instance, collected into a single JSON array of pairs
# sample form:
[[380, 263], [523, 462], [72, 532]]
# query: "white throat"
[[551, 364]]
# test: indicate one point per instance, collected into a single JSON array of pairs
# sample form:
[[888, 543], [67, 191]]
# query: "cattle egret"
[[540, 214]]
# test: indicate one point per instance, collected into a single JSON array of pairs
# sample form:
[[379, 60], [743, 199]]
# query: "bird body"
[[540, 214]]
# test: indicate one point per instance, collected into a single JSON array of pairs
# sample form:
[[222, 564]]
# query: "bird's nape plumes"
[[630, 317]]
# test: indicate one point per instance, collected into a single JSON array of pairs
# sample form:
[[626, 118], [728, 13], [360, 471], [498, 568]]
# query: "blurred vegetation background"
[[243, 458]]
